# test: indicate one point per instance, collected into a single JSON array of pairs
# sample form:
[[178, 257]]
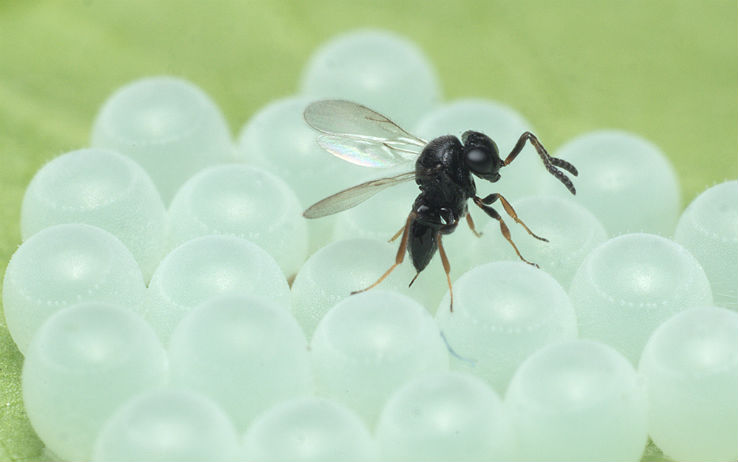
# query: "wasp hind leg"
[[397, 234], [398, 258]]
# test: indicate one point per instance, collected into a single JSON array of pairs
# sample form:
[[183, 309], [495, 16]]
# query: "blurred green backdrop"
[[666, 70]]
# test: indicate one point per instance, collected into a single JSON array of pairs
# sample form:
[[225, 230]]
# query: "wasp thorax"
[[481, 155]]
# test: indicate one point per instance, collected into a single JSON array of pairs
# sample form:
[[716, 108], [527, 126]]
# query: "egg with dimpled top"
[[243, 201], [83, 363], [630, 284], [444, 416], [691, 368], [578, 401], [166, 124], [376, 68], [245, 352], [63, 265], [709, 229], [278, 139], [503, 312], [205, 267], [309, 429], [342, 267], [624, 180], [369, 344], [167, 424], [101, 188]]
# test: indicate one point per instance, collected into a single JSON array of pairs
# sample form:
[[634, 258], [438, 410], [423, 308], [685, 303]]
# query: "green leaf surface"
[[666, 70]]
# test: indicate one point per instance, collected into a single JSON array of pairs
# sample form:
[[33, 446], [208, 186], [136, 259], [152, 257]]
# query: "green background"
[[666, 70]]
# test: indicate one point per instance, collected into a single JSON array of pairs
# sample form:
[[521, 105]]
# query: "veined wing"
[[354, 196], [359, 135]]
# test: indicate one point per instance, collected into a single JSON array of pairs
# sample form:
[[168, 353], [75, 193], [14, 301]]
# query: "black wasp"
[[443, 171]]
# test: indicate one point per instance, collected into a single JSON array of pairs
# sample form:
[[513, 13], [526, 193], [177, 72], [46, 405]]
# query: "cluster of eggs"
[[173, 304]]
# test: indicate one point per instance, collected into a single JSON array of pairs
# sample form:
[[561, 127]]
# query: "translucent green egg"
[[371, 343], [624, 180], [503, 312], [82, 364], [101, 188], [242, 201], [444, 416], [205, 267], [332, 273], [306, 430], [578, 401], [167, 424], [630, 284], [166, 124], [709, 229], [244, 352], [278, 139], [691, 368], [63, 265], [376, 68]]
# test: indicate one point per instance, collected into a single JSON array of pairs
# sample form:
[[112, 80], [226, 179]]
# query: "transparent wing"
[[361, 136], [368, 153], [354, 196]]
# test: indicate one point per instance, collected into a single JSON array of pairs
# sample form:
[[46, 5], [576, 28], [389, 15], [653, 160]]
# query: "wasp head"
[[481, 155]]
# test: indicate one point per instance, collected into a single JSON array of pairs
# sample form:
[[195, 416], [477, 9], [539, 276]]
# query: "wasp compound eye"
[[479, 161]]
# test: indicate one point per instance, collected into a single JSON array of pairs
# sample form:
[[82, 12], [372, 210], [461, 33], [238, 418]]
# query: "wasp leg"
[[550, 162], [446, 268], [397, 234], [470, 222], [503, 227], [398, 258], [510, 211]]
